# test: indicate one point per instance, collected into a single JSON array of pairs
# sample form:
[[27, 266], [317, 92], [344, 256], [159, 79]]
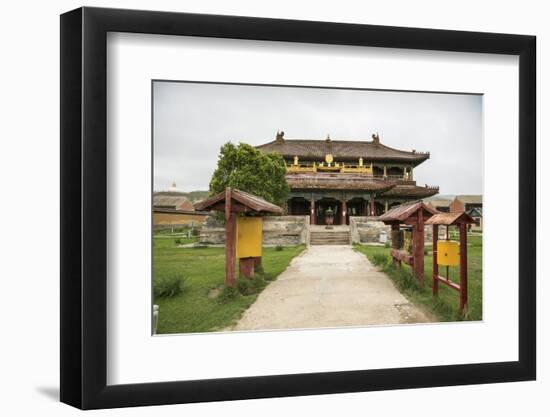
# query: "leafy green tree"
[[246, 168]]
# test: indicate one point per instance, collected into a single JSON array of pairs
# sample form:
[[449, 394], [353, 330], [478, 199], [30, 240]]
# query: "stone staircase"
[[336, 236]]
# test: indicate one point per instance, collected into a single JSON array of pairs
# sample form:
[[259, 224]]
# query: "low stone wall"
[[285, 230], [368, 230], [277, 230]]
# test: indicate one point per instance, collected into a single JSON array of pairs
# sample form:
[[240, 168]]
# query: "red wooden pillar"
[[344, 211], [230, 239], [366, 210], [435, 267], [418, 248], [463, 267], [312, 217]]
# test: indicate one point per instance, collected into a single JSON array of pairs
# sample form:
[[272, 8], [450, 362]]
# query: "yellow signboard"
[[408, 241], [447, 252], [249, 237]]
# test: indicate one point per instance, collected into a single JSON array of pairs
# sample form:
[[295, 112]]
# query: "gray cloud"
[[192, 121]]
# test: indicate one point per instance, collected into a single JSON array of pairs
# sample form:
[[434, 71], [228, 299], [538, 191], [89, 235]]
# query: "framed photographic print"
[[259, 207]]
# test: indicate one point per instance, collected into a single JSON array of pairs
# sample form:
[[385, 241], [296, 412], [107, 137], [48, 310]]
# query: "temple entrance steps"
[[338, 235]]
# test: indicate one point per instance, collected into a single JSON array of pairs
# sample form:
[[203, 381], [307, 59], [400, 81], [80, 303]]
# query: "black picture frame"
[[84, 207]]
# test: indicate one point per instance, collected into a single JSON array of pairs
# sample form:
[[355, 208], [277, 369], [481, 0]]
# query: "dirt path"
[[329, 286]]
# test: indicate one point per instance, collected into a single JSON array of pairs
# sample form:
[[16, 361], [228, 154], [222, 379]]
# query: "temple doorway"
[[326, 207], [299, 206], [379, 208], [356, 207]]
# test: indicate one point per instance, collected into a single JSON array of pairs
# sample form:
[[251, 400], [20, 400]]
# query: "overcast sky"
[[192, 121]]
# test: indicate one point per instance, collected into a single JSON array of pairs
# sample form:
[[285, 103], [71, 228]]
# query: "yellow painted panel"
[[447, 252], [249, 237], [408, 241]]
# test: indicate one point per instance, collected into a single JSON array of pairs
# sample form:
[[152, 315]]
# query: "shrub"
[[387, 244], [243, 286], [403, 277], [227, 294], [177, 241], [168, 286], [379, 259], [257, 283], [278, 248], [248, 286]]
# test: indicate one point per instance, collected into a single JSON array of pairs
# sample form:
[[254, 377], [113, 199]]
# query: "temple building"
[[347, 178]]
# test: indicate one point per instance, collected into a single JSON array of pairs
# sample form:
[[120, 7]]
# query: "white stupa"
[[173, 187]]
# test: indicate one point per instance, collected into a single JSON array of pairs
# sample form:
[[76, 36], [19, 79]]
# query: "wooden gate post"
[[232, 201], [463, 267], [418, 248], [435, 266], [230, 239]]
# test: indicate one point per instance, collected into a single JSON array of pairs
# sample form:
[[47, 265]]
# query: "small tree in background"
[[247, 169]]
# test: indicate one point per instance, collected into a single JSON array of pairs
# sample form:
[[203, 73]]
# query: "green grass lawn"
[[203, 268], [445, 306]]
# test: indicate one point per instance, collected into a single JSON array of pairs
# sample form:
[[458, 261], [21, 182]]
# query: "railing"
[[291, 168], [357, 169], [299, 168], [350, 169], [333, 167]]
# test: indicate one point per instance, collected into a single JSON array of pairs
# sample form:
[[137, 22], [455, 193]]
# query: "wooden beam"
[[402, 256], [449, 283]]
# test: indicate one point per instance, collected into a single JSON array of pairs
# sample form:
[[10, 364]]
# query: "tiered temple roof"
[[343, 150], [309, 160], [411, 191]]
